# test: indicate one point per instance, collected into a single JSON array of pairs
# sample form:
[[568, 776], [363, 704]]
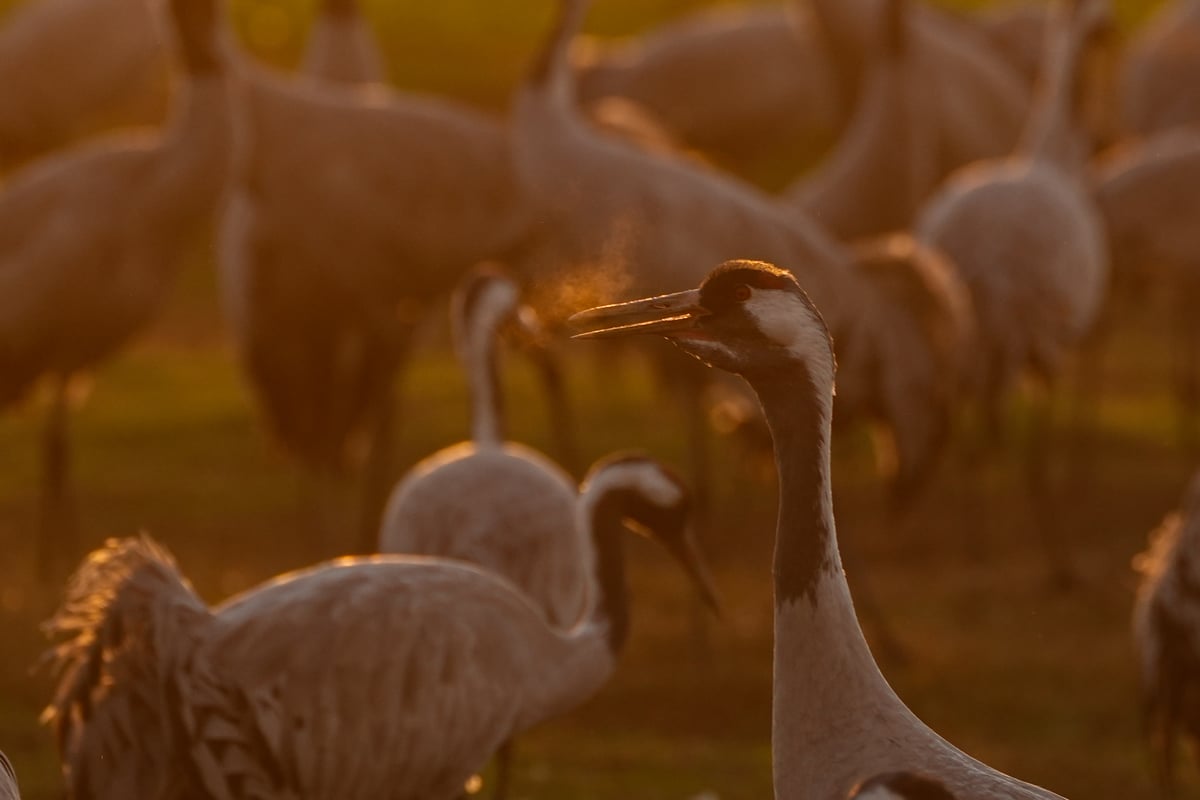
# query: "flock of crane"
[[960, 234]]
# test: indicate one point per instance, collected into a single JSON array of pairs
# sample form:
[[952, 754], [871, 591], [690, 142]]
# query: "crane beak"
[[672, 315], [688, 555]]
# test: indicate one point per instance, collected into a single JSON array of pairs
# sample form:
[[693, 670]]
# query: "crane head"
[[748, 317], [655, 502]]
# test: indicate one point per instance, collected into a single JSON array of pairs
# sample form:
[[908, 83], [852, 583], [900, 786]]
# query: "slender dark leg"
[[58, 538], [377, 475], [1045, 504], [1085, 403], [1186, 363], [504, 758], [1161, 721], [318, 507], [562, 422], [981, 447], [698, 442], [698, 450]]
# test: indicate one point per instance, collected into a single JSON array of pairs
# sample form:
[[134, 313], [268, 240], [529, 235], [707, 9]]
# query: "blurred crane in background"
[[342, 48], [1029, 242], [72, 66], [351, 214], [1166, 634], [90, 241], [1160, 86]]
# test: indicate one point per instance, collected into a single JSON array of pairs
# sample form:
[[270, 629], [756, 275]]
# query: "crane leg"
[[504, 758], [58, 529], [318, 507], [1186, 365], [377, 476], [976, 454], [698, 442], [1045, 504], [698, 451], [1085, 393], [562, 421], [1162, 723]]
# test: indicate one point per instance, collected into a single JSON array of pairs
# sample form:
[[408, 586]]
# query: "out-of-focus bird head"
[[655, 502], [488, 302]]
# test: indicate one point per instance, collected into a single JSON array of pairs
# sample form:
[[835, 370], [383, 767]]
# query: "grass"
[[1038, 682]]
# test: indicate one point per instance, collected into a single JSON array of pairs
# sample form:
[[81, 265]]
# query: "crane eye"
[[741, 293]]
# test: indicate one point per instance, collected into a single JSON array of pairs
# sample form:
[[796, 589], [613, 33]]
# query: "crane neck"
[[197, 40], [593, 645], [825, 677], [342, 48], [841, 26], [201, 108], [340, 9], [551, 72], [1053, 132], [483, 375], [806, 541], [193, 159], [601, 509]]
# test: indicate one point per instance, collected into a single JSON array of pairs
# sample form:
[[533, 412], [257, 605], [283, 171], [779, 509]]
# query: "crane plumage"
[[1166, 633], [83, 65], [341, 47], [1024, 232], [90, 240], [835, 717], [692, 76], [900, 786], [801, 86], [624, 207], [1017, 31], [1146, 191], [360, 678], [350, 215], [651, 220], [332, 192], [8, 780], [508, 528], [904, 371], [521, 521], [610, 213], [885, 162], [974, 100], [1162, 71]]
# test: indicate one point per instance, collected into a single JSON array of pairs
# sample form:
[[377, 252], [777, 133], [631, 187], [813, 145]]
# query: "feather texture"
[[1166, 632]]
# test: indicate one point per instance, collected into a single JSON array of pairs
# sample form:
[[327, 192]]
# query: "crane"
[[835, 718]]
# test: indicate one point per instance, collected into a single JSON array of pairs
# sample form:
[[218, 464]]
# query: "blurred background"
[[1037, 680]]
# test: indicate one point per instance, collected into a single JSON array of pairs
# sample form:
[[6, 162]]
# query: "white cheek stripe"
[[786, 320], [645, 477]]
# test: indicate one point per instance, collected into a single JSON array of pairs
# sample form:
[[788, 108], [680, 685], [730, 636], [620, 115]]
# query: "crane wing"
[[352, 679]]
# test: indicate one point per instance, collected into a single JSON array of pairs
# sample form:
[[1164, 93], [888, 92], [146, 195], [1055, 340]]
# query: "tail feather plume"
[[127, 625], [8, 780]]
